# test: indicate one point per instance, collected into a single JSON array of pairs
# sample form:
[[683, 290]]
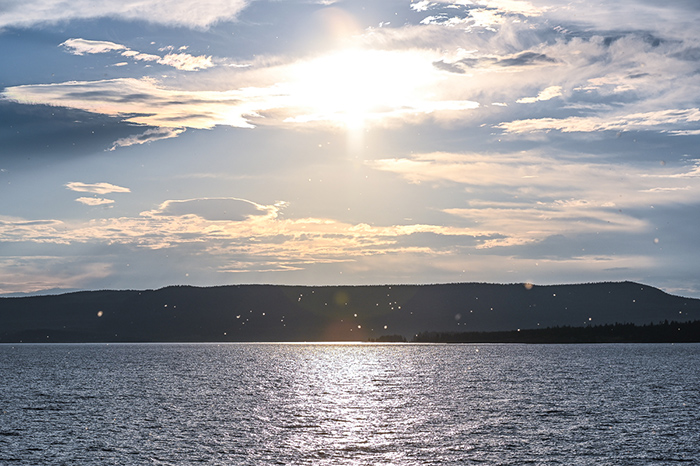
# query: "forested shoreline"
[[662, 332]]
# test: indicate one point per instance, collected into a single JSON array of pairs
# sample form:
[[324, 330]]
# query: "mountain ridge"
[[259, 312]]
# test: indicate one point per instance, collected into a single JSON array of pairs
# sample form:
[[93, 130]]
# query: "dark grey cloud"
[[525, 59], [521, 59], [689, 54], [29, 131], [451, 67]]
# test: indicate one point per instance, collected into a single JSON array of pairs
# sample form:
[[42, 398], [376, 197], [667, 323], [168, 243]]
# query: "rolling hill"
[[328, 313]]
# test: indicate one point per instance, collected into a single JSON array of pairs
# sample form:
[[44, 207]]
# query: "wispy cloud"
[[96, 188], [27, 274], [527, 197], [659, 120], [150, 135], [181, 61], [94, 201], [83, 46]]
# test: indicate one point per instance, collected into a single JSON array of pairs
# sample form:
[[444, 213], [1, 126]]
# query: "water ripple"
[[349, 404]]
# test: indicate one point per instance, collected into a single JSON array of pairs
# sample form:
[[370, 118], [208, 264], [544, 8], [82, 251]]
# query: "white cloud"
[[139, 56], [186, 62], [255, 230], [94, 201], [200, 14], [150, 135], [96, 188], [547, 94], [153, 105], [180, 61], [83, 46], [659, 120], [421, 5]]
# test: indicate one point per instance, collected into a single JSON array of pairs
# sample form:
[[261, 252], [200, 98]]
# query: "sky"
[[321, 142]]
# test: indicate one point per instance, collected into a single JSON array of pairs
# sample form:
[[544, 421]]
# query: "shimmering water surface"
[[182, 404]]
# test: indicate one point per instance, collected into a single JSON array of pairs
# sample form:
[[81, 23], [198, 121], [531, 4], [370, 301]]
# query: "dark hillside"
[[298, 313]]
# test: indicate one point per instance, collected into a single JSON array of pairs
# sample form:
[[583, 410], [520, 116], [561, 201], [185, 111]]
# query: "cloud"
[[547, 94], [335, 89], [527, 197], [83, 46], [231, 227], [215, 209], [201, 14], [28, 274], [525, 59], [515, 223], [145, 102], [186, 62], [481, 62], [150, 135], [94, 201], [406, 75], [139, 56], [96, 188], [659, 120], [546, 178], [180, 61]]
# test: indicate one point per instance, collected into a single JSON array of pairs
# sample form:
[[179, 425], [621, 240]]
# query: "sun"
[[354, 87]]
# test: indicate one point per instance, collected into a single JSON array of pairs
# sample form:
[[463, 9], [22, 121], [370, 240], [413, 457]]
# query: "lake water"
[[355, 404]]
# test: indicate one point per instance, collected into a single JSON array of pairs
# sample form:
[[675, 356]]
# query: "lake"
[[349, 404]]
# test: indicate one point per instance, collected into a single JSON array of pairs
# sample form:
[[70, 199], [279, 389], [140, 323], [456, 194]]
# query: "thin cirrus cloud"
[[545, 196], [548, 178]]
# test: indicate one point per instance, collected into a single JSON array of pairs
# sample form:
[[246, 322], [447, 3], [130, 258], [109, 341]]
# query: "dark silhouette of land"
[[663, 332], [328, 313]]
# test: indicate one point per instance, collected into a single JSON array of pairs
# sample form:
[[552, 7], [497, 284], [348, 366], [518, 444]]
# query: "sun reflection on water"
[[345, 402]]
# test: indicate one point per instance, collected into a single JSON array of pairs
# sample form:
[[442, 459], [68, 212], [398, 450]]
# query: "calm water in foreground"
[[240, 404]]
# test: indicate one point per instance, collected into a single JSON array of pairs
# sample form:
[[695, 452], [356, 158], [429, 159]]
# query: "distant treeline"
[[663, 332], [388, 339]]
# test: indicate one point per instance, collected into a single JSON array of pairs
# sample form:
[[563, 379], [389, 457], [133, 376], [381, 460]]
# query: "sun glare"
[[352, 87]]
